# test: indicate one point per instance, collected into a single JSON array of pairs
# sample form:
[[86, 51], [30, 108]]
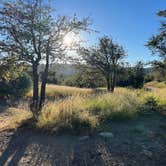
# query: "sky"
[[129, 22]]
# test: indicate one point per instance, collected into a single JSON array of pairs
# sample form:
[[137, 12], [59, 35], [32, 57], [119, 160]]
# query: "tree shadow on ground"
[[27, 146], [15, 147]]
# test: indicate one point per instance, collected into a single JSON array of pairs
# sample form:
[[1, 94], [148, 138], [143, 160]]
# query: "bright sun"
[[71, 39]]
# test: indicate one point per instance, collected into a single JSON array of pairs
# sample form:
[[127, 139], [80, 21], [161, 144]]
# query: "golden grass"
[[69, 113], [91, 110], [155, 84], [13, 118], [82, 109], [157, 90], [80, 112], [58, 91]]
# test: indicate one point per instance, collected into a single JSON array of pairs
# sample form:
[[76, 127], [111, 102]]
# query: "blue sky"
[[129, 22]]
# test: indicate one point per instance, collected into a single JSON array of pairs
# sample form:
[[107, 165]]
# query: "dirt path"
[[140, 142]]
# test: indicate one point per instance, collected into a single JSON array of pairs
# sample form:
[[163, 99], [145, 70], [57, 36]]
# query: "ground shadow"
[[15, 148], [30, 147]]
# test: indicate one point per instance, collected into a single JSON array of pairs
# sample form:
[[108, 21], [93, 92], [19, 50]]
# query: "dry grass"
[[80, 109], [78, 112], [156, 84], [67, 114], [13, 118], [58, 91], [158, 91]]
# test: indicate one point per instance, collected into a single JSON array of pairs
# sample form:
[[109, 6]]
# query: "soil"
[[137, 142]]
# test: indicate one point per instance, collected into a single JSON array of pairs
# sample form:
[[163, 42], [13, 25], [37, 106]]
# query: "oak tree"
[[33, 34], [106, 58]]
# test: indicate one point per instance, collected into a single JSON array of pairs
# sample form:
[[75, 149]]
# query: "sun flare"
[[71, 39]]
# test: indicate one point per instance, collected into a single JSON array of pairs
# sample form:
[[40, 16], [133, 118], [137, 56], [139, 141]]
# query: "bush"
[[149, 78], [17, 87], [85, 79], [136, 78], [151, 103]]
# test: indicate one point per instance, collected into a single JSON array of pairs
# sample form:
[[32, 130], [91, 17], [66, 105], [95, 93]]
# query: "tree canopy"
[[31, 33], [105, 58]]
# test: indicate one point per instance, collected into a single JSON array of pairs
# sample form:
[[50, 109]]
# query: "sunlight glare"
[[71, 39]]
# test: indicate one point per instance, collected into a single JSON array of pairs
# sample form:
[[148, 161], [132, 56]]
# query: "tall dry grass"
[[58, 91], [155, 84], [13, 118], [82, 109], [80, 112]]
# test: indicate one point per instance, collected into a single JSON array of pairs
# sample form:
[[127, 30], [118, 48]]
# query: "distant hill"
[[148, 70], [61, 69], [69, 69]]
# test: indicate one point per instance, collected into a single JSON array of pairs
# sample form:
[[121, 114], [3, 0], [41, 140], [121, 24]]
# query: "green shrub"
[[151, 103], [17, 87]]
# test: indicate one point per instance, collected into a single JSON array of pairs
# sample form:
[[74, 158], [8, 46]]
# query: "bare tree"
[[105, 58]]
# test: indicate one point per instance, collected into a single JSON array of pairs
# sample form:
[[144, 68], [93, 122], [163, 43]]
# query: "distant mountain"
[[64, 69]]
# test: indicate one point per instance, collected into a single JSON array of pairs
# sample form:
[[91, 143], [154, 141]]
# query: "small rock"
[[147, 153], [106, 134], [83, 138], [143, 146]]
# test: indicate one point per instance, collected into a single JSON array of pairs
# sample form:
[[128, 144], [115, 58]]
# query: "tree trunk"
[[43, 85], [112, 88], [34, 105], [113, 81], [108, 83]]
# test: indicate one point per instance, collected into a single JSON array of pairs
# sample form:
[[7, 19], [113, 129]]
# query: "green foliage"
[[163, 126], [16, 87], [105, 58], [14, 82], [10, 68], [131, 76], [149, 77], [85, 79], [21, 85], [159, 70], [151, 103], [157, 44], [137, 76], [52, 77]]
